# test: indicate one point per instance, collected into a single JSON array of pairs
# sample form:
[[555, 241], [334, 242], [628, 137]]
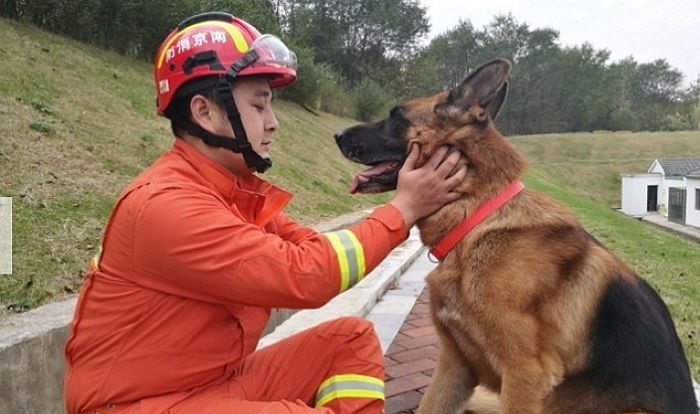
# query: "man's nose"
[[271, 122]]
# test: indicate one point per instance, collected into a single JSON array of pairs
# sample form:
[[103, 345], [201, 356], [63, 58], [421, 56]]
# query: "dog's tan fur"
[[505, 315], [484, 401], [527, 305], [491, 290]]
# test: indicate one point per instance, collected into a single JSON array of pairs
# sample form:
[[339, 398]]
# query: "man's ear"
[[486, 87], [202, 111]]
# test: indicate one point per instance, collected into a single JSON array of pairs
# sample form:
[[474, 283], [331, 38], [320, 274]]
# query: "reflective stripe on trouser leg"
[[349, 386], [351, 257]]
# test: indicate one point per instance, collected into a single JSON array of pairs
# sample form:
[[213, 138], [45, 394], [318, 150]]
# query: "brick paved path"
[[410, 363], [410, 360]]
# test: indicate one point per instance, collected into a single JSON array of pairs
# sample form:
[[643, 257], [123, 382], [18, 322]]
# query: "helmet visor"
[[272, 53]]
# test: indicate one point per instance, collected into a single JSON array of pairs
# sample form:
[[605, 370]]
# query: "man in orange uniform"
[[197, 251]]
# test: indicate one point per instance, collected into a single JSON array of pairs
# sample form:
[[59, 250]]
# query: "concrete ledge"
[[357, 301], [688, 232], [395, 305], [31, 347], [31, 359]]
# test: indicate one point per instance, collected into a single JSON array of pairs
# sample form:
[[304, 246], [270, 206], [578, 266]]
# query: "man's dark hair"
[[179, 109]]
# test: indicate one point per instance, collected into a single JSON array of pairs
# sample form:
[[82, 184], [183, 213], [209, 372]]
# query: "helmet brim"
[[281, 76]]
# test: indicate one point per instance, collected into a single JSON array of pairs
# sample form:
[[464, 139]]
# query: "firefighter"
[[197, 251]]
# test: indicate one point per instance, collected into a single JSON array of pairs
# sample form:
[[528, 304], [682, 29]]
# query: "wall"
[[634, 192], [655, 168], [31, 359], [662, 196], [692, 216]]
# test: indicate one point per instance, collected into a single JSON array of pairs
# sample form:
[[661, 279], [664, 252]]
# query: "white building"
[[692, 215], [671, 187]]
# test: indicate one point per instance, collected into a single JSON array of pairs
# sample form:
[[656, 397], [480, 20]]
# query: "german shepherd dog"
[[527, 304]]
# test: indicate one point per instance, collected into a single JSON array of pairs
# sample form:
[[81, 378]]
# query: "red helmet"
[[218, 44]]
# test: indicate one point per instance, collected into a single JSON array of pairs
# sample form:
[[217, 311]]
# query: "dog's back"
[[527, 303], [527, 288], [636, 358]]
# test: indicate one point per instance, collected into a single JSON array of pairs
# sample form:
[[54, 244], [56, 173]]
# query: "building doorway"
[[652, 197]]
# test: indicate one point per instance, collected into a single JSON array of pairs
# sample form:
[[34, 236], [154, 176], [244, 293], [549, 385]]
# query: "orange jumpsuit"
[[192, 260]]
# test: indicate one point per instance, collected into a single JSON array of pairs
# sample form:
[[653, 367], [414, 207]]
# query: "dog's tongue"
[[363, 176]]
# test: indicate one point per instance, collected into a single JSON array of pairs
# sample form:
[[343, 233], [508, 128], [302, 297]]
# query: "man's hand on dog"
[[422, 191]]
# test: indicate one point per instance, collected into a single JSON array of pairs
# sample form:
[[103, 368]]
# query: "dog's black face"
[[428, 121], [381, 145]]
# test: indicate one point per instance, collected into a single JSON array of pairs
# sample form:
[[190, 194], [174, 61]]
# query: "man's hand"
[[422, 191]]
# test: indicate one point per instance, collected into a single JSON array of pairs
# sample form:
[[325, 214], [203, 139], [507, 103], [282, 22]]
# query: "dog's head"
[[453, 117]]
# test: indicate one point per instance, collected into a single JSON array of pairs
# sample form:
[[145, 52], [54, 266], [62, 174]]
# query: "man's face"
[[253, 99]]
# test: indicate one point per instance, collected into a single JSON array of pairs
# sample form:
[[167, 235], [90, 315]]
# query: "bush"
[[305, 90], [624, 119], [677, 122], [338, 101], [41, 106], [41, 126], [371, 100], [333, 94], [318, 86]]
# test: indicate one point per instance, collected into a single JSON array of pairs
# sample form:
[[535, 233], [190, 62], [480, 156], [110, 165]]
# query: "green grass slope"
[[77, 123], [591, 163]]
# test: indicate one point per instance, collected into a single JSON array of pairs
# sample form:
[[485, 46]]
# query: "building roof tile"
[[680, 166]]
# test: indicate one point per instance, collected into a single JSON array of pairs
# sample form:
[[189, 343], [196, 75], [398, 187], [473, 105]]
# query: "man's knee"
[[358, 337], [351, 325]]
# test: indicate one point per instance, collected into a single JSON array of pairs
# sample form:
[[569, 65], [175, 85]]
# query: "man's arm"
[[187, 243], [290, 230]]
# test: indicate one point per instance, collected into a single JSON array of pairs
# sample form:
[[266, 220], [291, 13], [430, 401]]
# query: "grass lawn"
[[78, 123]]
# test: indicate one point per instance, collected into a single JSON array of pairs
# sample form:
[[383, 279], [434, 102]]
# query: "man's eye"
[[260, 108]]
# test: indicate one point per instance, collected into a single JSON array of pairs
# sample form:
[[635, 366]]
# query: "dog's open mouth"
[[379, 178]]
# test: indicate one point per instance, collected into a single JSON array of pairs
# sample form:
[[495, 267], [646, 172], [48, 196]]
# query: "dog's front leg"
[[452, 383], [525, 387]]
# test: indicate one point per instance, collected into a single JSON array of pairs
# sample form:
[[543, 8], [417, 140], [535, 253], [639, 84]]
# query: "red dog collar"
[[448, 242]]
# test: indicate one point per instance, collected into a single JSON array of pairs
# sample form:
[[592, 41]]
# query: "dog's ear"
[[486, 87], [493, 106]]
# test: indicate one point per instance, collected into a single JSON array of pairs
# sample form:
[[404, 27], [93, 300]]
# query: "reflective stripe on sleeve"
[[351, 257], [349, 386]]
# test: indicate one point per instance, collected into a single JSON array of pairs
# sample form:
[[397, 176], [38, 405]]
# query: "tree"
[[129, 27], [554, 88], [354, 36], [531, 104], [454, 53]]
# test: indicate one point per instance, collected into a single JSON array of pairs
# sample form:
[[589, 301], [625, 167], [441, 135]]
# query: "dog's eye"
[[395, 112]]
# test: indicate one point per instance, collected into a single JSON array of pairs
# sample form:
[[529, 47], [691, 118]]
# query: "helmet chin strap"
[[239, 143], [252, 159]]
